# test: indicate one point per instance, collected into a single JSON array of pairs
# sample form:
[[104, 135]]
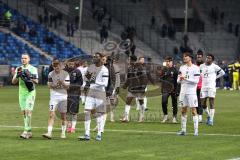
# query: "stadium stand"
[[44, 39]]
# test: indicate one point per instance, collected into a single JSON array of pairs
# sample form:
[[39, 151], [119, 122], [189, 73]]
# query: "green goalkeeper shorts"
[[27, 100]]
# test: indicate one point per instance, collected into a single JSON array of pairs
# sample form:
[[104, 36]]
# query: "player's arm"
[[219, 71], [80, 79], [34, 77], [50, 82], [66, 83], [180, 76], [15, 77]]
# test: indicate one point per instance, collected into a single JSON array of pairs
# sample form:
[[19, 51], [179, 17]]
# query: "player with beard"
[[200, 61], [96, 81], [210, 72], [83, 69], [74, 93], [112, 90], [137, 79]]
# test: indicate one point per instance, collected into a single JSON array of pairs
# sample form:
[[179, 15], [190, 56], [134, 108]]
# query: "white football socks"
[[87, 123], [142, 110], [50, 128], [184, 123], [195, 123], [206, 111], [212, 112], [74, 121], [145, 102], [127, 110], [103, 119], [99, 123], [64, 129]]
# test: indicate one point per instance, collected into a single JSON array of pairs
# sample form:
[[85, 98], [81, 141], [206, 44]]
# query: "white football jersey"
[[191, 74], [209, 75], [101, 80], [54, 77]]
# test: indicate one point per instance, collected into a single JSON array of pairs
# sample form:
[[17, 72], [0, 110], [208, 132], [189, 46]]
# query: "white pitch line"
[[235, 159], [139, 131]]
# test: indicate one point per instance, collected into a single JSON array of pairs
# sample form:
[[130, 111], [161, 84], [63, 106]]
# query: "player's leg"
[[64, 124], [50, 125], [69, 114], [62, 107], [137, 104], [145, 103], [141, 109], [238, 81], [24, 134], [195, 120], [235, 80], [127, 108], [87, 125], [89, 107], [199, 108], [28, 112], [203, 97], [23, 102], [74, 122], [74, 109], [193, 104], [101, 111], [104, 118], [183, 121], [174, 107], [212, 110], [164, 106], [28, 120], [183, 105], [113, 105], [53, 104]]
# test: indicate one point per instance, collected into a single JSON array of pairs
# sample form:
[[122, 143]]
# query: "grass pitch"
[[149, 140]]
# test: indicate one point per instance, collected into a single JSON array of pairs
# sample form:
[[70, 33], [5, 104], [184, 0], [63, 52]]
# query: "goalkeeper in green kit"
[[27, 76]]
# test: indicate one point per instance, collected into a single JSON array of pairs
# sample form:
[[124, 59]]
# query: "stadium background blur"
[[156, 28]]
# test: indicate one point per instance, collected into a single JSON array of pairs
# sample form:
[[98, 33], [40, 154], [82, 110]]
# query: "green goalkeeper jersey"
[[23, 90]]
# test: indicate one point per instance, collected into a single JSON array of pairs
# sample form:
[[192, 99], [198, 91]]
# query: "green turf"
[[149, 140]]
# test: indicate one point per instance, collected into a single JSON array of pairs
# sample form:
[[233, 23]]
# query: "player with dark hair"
[[136, 83], [26, 76], [142, 61], [199, 61], [169, 77], [74, 93], [96, 81], [188, 78], [112, 89], [209, 72]]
